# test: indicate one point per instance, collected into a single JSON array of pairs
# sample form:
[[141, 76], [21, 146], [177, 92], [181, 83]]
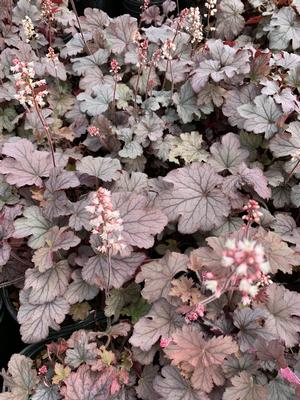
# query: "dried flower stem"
[[79, 25], [137, 88], [46, 129]]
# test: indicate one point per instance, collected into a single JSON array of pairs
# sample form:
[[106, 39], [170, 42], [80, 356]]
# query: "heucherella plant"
[[149, 173]]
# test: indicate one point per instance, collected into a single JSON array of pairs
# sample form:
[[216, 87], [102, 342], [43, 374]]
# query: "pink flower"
[[142, 52], [28, 91], [191, 316], [164, 342], [289, 375], [106, 223], [114, 69], [43, 370], [253, 215], [93, 130], [200, 310]]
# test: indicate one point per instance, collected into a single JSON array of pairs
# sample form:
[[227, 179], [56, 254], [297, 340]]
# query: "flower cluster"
[[93, 130], [194, 25], [142, 52], [51, 55], [115, 69], [29, 29], [247, 266], [168, 47], [196, 313], [145, 5], [253, 215], [29, 92], [182, 17], [106, 223], [48, 10], [211, 6]]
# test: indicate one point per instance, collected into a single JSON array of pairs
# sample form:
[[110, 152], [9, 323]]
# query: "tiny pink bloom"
[[200, 310], [164, 342], [43, 370], [289, 375]]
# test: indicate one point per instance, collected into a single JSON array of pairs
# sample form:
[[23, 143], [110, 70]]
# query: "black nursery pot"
[[133, 7]]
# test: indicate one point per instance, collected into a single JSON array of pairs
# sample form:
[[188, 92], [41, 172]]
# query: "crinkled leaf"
[[96, 271], [228, 154], [236, 98], [80, 217], [44, 392], [79, 290], [87, 385], [245, 388], [279, 390], [106, 169], [229, 19], [44, 287], [295, 195], [186, 103], [23, 9], [287, 143], [36, 319], [32, 224], [172, 386], [75, 45], [145, 388], [21, 378], [248, 322], [187, 147], [195, 198], [284, 28], [24, 165], [253, 177], [279, 254], [280, 307], [120, 33], [262, 116], [204, 356], [158, 275], [222, 63], [83, 65], [56, 239], [94, 106], [80, 350], [140, 221], [117, 299], [161, 321]]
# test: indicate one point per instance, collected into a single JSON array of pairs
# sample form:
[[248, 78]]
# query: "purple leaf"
[[106, 169], [120, 33], [32, 224], [140, 221], [80, 350], [96, 271], [161, 321], [158, 275], [87, 385], [36, 319], [79, 290], [21, 378], [44, 287], [195, 198], [24, 165], [172, 386], [228, 154]]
